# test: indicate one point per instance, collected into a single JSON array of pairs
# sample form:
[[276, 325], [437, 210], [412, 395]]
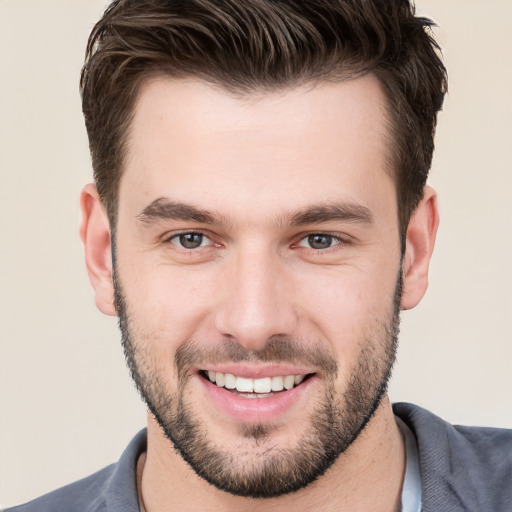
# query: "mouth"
[[264, 387], [258, 394]]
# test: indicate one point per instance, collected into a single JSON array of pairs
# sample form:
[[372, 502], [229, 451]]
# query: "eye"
[[190, 240], [319, 241]]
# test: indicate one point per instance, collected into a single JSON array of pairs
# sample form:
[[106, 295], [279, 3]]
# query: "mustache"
[[278, 349]]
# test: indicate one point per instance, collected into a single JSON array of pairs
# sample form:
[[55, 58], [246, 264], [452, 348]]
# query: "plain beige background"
[[67, 406]]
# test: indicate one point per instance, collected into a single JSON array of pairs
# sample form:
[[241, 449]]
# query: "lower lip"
[[255, 410]]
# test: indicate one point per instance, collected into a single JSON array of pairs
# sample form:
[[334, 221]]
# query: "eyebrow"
[[165, 209], [346, 212]]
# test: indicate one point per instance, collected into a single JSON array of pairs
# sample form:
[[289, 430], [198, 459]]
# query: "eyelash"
[[334, 238], [176, 236]]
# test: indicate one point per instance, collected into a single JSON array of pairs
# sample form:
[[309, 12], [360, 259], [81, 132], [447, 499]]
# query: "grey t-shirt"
[[463, 469]]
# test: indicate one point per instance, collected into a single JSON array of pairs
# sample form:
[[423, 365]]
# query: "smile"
[[255, 388], [251, 394]]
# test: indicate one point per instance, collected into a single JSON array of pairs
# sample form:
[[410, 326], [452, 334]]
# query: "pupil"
[[191, 240], [320, 241]]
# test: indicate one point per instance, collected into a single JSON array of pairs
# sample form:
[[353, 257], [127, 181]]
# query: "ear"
[[421, 237], [95, 235]]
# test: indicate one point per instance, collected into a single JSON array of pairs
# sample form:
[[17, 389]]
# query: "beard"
[[334, 423]]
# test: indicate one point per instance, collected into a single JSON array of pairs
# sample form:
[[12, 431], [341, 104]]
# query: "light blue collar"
[[411, 490]]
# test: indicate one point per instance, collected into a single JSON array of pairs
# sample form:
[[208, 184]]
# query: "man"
[[259, 217]]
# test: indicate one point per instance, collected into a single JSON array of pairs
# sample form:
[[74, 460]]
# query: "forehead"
[[200, 144]]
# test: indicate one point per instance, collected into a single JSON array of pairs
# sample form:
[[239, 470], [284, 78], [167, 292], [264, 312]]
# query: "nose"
[[257, 299]]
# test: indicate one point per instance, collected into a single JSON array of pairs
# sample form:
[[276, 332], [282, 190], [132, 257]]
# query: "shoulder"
[[85, 495], [113, 488], [470, 465], [483, 445]]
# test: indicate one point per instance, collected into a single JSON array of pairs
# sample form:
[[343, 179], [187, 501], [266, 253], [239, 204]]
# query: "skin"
[[255, 161]]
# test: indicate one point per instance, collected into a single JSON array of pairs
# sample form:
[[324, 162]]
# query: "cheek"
[[162, 313], [167, 304], [349, 306]]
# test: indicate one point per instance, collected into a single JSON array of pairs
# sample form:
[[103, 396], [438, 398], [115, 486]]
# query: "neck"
[[370, 472]]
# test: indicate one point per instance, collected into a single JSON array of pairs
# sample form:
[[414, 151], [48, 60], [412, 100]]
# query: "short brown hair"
[[254, 45]]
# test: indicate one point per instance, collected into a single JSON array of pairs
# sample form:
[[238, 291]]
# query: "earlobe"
[[421, 236], [95, 235]]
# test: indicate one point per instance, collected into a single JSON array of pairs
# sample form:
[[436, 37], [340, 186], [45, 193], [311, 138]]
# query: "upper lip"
[[258, 371]]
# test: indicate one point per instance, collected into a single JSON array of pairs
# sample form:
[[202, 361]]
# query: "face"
[[257, 274]]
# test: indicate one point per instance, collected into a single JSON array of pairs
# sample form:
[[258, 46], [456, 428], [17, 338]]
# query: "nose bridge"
[[256, 303]]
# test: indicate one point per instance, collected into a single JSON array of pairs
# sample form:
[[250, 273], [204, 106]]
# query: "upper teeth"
[[263, 385]]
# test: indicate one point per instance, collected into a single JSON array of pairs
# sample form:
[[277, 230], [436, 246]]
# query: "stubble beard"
[[334, 424]]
